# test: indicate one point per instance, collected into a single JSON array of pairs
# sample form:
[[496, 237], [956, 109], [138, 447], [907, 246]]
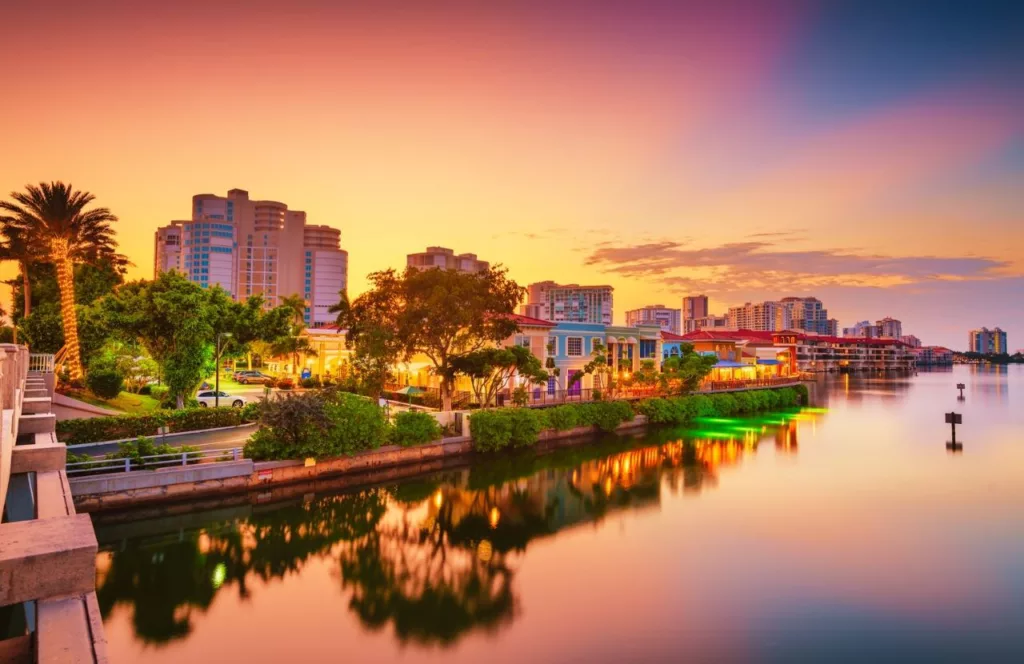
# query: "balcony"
[[47, 551]]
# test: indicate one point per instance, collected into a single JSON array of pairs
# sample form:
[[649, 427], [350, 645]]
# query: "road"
[[207, 440]]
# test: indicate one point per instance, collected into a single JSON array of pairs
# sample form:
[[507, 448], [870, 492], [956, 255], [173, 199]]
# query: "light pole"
[[216, 388]]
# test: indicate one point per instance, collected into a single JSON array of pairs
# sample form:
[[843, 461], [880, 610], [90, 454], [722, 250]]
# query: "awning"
[[411, 390], [729, 364], [770, 363]]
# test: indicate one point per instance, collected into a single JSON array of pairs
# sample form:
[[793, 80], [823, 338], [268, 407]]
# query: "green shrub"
[[562, 418], [415, 428], [142, 447], [250, 411], [744, 403], [605, 415], [658, 411], [103, 379], [194, 419], [355, 424], [702, 406], [114, 427], [310, 383], [526, 425], [490, 430], [725, 404], [265, 445]]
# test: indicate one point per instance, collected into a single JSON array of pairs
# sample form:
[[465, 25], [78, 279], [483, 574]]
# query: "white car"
[[208, 399]]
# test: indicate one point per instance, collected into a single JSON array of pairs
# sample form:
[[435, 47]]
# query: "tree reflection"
[[433, 558]]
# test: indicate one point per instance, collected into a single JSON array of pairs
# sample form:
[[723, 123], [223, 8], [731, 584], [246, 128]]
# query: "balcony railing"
[[40, 362]]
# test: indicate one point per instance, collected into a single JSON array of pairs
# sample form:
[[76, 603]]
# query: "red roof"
[[727, 335], [527, 321], [671, 336]]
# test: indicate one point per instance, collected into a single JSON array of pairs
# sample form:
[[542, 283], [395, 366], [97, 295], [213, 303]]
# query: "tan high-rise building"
[[446, 259], [570, 303], [655, 314], [695, 306], [256, 247], [890, 328], [759, 316]]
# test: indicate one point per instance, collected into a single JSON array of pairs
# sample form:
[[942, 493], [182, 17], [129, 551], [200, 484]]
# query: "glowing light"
[[220, 572], [608, 486], [438, 499], [484, 551], [494, 517]]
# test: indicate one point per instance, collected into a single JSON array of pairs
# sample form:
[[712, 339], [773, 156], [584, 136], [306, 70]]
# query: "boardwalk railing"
[[41, 362], [152, 461]]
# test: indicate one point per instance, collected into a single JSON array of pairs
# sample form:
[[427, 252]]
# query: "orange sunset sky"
[[745, 150]]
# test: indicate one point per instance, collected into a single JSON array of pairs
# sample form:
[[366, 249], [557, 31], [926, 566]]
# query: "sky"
[[869, 153]]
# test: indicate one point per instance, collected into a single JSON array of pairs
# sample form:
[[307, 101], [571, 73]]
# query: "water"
[[845, 535]]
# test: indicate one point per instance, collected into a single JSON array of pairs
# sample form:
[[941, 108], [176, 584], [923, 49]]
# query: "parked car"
[[208, 398], [252, 377]]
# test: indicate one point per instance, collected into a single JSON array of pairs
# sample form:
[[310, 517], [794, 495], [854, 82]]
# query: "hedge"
[[119, 427], [518, 427], [414, 428]]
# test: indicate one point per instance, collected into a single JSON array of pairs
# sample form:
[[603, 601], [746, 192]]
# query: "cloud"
[[759, 265]]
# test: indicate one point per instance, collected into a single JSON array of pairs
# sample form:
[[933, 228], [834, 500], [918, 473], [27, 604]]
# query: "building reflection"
[[433, 559]]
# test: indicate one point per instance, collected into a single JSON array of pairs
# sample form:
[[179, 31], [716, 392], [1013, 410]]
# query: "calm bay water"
[[848, 532]]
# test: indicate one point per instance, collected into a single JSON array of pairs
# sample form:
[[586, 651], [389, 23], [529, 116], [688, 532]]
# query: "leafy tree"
[[598, 366], [373, 334], [104, 379], [689, 369], [54, 217], [292, 343], [16, 247], [173, 319], [440, 313], [490, 370]]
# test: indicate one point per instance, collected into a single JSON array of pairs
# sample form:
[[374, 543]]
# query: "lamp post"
[[216, 388]]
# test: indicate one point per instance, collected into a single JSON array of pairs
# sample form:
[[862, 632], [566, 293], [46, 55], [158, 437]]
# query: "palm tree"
[[298, 306], [53, 219], [294, 344], [16, 248]]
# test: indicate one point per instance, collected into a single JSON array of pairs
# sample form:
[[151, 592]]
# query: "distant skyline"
[[868, 153]]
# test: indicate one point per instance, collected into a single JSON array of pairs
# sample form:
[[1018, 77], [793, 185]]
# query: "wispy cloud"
[[761, 265]]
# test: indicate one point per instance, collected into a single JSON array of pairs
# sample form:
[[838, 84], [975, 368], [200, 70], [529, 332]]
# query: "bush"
[[526, 425], [251, 411], [103, 378], [194, 419], [356, 424], [158, 392], [118, 427], [562, 418], [312, 382], [702, 406], [265, 445], [605, 415], [415, 428], [285, 384], [725, 404], [490, 430], [144, 447]]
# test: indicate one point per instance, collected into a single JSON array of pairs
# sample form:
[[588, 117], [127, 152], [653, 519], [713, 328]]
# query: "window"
[[574, 346], [648, 349], [522, 340], [552, 346]]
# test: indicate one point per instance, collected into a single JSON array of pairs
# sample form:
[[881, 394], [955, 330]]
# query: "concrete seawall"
[[150, 487]]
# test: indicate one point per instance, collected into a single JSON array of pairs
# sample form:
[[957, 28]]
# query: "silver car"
[[208, 399]]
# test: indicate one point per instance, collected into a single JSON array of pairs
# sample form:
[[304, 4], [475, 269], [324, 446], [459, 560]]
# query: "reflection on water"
[[432, 558], [504, 558]]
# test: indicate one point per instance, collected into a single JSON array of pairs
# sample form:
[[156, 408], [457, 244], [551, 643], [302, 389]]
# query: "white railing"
[[152, 462], [41, 362]]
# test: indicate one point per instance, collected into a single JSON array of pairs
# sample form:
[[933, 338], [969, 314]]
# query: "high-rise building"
[[890, 328], [570, 303], [863, 330], [760, 316], [655, 314], [833, 327], [694, 307], [911, 340], [805, 313], [256, 248], [987, 341], [707, 322], [446, 260]]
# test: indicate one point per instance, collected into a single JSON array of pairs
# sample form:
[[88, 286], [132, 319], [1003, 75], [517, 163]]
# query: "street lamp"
[[216, 388]]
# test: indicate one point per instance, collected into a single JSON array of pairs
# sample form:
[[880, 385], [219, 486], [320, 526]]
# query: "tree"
[[689, 369], [598, 366], [173, 319], [491, 369], [293, 343], [372, 333], [16, 248], [54, 217], [439, 313]]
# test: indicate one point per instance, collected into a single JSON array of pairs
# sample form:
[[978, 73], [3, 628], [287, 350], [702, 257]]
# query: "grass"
[[125, 402]]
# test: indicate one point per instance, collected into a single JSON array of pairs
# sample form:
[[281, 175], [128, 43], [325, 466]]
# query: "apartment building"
[[821, 353], [761, 316], [250, 247], [911, 341], [987, 341], [889, 328], [807, 314], [570, 303], [695, 307], [655, 314], [707, 322], [446, 259]]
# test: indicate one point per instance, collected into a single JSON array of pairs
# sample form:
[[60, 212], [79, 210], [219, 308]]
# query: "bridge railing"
[[41, 362], [152, 461]]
